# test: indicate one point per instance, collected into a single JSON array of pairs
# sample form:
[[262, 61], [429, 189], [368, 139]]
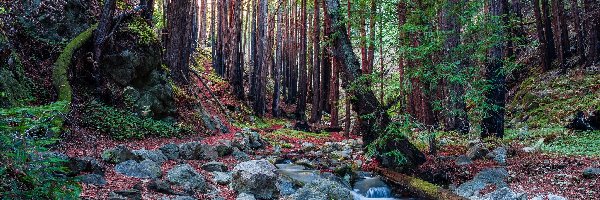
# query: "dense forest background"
[[413, 80]]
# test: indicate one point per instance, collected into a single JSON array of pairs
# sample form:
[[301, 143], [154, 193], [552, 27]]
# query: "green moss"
[[427, 187], [15, 86], [142, 30], [300, 134], [60, 73]]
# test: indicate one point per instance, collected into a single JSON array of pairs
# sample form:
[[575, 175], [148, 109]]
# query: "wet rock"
[[285, 186], [555, 197], [583, 123], [255, 177], [504, 193], [245, 196], [160, 186], [92, 179], [144, 169], [591, 172], [319, 190], [373, 188], [178, 198], [499, 155], [156, 156], [214, 167], [222, 178], [187, 177], [119, 154], [171, 151]]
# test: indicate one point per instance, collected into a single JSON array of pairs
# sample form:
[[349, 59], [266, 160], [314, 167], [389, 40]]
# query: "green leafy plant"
[[25, 173], [142, 30]]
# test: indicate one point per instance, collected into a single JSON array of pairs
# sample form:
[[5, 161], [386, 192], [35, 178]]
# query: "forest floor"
[[534, 167]]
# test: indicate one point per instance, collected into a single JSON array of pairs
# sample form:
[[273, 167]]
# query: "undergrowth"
[[121, 124]]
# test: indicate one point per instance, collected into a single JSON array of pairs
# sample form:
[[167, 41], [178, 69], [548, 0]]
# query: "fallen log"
[[418, 187]]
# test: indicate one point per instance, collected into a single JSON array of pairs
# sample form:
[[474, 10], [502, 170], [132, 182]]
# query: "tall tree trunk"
[[316, 100], [347, 106], [334, 92], [401, 61], [302, 87], [203, 26], [278, 64], [548, 32], [179, 46], [591, 22], [561, 38], [365, 102], [575, 12], [364, 56], [237, 78], [545, 57], [493, 123], [372, 23]]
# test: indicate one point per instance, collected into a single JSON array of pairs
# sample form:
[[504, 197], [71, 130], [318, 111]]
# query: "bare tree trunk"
[[591, 23], [545, 57], [302, 87], [316, 101], [179, 45], [372, 23], [561, 38], [278, 64]]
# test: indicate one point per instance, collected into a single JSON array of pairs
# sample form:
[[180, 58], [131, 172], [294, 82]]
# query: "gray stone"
[[319, 190], [255, 177], [144, 169], [504, 193], [187, 177], [591, 172], [92, 179], [240, 155], [477, 151], [224, 148], [160, 186], [499, 155], [189, 151], [555, 197], [285, 186], [131, 194], [494, 176], [214, 167], [171, 151], [156, 156], [222, 178], [84, 164], [463, 160], [178, 198], [119, 154], [245, 196]]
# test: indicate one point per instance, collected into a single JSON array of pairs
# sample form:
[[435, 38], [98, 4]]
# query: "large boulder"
[[222, 178], [119, 154], [144, 169], [324, 189], [171, 151], [92, 179], [214, 167], [494, 176], [255, 177], [187, 177], [591, 172]]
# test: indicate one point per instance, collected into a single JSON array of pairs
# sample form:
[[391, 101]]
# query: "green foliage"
[[396, 131], [575, 143], [121, 124], [261, 123], [60, 72], [15, 86], [300, 134], [24, 173], [142, 30]]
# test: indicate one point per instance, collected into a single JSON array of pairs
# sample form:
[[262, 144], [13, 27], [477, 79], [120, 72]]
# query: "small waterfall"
[[379, 192]]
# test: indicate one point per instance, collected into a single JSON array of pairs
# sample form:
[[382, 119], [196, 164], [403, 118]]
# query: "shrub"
[[24, 173], [121, 124]]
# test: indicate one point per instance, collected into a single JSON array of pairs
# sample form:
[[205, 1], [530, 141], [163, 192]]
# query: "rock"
[[224, 148], [307, 146], [582, 123], [207, 152], [131, 194], [144, 169], [245, 196], [504, 193], [84, 164], [319, 190], [555, 197], [240, 155], [160, 186], [255, 177], [92, 179], [463, 160], [528, 149], [214, 167], [285, 186], [248, 139], [156, 156], [499, 155], [591, 172], [189, 151], [494, 176], [477, 151], [119, 154], [187, 177], [171, 151], [54, 22], [178, 198], [222, 178]]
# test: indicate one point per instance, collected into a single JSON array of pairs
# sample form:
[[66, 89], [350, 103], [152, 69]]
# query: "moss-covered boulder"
[[15, 87]]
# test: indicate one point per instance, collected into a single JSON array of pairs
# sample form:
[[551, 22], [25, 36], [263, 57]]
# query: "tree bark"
[[179, 45], [543, 49], [591, 21], [302, 87], [316, 100]]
